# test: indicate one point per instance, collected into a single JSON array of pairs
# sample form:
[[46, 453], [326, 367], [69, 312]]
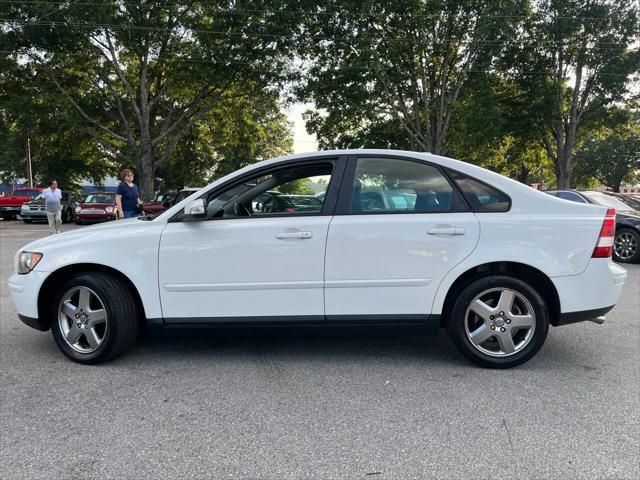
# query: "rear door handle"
[[446, 231], [288, 235]]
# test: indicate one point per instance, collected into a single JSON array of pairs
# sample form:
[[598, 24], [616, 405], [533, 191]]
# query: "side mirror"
[[195, 209]]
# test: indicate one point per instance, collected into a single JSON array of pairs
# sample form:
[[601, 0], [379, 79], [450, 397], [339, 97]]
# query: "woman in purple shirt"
[[127, 196]]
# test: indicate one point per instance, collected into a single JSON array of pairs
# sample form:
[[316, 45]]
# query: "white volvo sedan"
[[355, 237]]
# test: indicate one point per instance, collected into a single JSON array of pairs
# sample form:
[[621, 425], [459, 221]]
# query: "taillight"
[[604, 247]]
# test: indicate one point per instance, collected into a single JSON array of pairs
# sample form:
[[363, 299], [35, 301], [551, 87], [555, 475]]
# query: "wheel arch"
[[534, 277], [48, 290]]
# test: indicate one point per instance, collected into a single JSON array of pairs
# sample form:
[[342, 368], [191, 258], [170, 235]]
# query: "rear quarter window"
[[481, 197]]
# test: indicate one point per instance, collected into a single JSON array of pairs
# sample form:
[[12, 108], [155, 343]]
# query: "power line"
[[297, 12]]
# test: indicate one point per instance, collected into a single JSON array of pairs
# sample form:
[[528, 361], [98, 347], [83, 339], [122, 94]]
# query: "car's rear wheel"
[[498, 321], [94, 318], [626, 246]]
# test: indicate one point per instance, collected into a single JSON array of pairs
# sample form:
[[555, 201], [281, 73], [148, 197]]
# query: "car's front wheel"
[[94, 318], [498, 321], [626, 246]]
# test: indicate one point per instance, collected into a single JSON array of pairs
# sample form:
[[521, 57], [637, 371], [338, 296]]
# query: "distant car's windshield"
[[101, 198], [40, 196], [608, 201], [162, 197], [182, 195]]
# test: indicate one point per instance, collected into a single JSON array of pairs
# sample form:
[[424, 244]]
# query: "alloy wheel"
[[625, 245], [500, 322], [82, 319]]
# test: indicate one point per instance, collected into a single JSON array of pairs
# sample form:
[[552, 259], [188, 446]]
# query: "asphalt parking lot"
[[293, 406]]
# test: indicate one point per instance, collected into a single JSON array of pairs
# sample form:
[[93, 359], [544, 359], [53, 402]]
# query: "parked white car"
[[493, 260]]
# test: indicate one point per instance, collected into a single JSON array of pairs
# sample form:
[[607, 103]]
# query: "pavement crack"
[[506, 427]]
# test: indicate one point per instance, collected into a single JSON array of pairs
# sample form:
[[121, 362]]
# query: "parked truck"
[[10, 204]]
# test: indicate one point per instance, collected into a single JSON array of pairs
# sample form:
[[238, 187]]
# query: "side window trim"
[[346, 187], [339, 163]]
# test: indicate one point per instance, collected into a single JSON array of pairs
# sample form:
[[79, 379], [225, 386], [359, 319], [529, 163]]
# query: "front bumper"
[[33, 215], [80, 219], [592, 293], [24, 293], [10, 209]]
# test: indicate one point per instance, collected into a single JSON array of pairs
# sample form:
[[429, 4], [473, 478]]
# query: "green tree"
[[574, 59], [232, 135], [155, 68], [611, 155], [60, 144], [385, 67]]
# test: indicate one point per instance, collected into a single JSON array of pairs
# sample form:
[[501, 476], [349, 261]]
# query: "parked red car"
[[160, 203], [97, 207], [168, 200], [10, 205]]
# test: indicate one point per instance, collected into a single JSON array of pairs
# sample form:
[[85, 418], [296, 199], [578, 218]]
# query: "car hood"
[[35, 202], [87, 234]]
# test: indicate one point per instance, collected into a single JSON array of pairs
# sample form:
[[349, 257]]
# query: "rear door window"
[[392, 185]]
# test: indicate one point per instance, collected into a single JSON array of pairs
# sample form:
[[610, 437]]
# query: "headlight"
[[27, 261], [109, 209], [78, 209], [24, 207]]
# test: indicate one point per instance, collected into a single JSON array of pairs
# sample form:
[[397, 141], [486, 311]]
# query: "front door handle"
[[288, 235], [446, 231]]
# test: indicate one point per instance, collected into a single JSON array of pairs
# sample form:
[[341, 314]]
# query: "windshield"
[[608, 201], [99, 198], [40, 196]]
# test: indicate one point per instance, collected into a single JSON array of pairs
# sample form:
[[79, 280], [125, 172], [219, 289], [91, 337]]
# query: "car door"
[[385, 260], [244, 265]]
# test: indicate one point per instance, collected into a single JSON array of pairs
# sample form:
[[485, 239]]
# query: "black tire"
[[65, 216], [632, 248], [121, 324], [27, 220], [7, 217], [459, 321]]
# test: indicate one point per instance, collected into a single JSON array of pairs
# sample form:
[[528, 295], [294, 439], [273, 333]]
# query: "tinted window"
[[481, 197], [389, 185], [574, 197]]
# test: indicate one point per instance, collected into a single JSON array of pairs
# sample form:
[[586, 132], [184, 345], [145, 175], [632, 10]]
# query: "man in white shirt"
[[52, 198]]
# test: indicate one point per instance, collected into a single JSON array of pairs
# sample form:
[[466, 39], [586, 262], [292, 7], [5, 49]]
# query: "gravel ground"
[[295, 406]]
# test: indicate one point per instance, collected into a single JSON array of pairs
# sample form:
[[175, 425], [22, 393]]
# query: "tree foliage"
[[144, 74], [573, 61], [398, 67]]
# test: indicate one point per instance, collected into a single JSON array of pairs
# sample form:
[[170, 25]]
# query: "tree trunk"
[[563, 171], [146, 173]]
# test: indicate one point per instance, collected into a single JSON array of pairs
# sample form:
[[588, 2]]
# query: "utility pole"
[[29, 172]]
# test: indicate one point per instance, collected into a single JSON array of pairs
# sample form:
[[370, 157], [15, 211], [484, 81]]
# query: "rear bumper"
[[592, 293], [35, 323], [583, 316]]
